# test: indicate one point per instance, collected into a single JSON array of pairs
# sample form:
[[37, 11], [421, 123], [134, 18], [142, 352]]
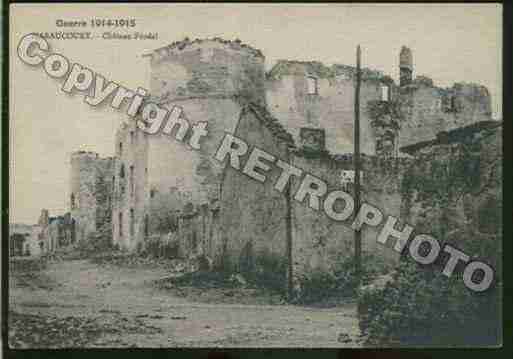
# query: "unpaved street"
[[110, 306]]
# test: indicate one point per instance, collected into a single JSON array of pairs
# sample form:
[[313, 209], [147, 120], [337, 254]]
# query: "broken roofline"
[[285, 67], [314, 68], [317, 68], [320, 70], [182, 44]]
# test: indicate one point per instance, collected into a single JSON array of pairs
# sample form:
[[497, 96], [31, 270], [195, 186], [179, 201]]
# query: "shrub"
[[456, 190], [422, 307], [341, 281], [267, 271]]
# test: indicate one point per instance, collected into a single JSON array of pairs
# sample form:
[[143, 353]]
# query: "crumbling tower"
[[82, 200], [90, 192], [209, 79], [130, 194], [405, 66]]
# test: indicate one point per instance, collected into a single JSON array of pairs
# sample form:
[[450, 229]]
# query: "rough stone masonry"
[[300, 112]]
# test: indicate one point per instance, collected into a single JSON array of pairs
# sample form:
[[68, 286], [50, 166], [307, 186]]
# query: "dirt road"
[[86, 304]]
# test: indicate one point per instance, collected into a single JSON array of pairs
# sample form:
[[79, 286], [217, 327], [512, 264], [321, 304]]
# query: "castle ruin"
[[300, 112]]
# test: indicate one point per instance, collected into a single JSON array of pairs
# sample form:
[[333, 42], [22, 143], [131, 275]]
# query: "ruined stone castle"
[[300, 112]]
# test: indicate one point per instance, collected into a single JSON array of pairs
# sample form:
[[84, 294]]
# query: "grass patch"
[[220, 288]]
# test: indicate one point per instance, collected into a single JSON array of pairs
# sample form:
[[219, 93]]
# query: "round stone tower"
[[82, 198], [208, 79], [208, 67], [405, 66]]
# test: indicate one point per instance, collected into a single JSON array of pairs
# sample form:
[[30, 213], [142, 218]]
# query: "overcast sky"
[[450, 43]]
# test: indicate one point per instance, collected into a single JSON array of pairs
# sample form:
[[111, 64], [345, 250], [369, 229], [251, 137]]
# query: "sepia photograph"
[[239, 175]]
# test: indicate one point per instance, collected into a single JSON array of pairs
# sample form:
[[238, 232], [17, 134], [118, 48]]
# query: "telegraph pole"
[[356, 159]]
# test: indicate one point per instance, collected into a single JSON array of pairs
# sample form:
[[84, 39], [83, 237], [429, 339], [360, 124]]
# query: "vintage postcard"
[[255, 175]]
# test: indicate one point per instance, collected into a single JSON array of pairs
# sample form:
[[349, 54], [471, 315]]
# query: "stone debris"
[[344, 338]]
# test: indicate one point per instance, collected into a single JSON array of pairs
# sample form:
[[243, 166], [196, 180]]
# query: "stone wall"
[[331, 106], [312, 95], [194, 234], [207, 79], [386, 118], [91, 192], [429, 109], [207, 68], [320, 243], [253, 214], [198, 232], [454, 189], [163, 210], [18, 238], [50, 234], [175, 164], [223, 83], [33, 243], [104, 194], [130, 195], [83, 201], [61, 231]]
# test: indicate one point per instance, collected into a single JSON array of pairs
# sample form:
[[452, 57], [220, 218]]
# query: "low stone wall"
[[320, 244]]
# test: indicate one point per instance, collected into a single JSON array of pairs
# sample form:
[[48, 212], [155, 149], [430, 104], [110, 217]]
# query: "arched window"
[[120, 149], [72, 200], [122, 171]]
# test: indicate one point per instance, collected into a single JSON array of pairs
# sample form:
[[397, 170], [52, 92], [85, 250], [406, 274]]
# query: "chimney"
[[405, 66]]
